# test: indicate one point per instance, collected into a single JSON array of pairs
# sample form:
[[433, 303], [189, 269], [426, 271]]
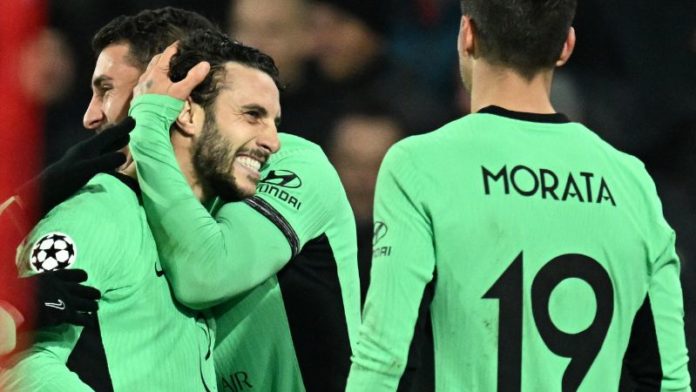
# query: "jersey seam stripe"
[[267, 210]]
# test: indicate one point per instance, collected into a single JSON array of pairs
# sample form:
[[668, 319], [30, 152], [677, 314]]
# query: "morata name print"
[[583, 187]]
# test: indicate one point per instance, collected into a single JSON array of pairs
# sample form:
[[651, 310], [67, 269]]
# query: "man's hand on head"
[[155, 79]]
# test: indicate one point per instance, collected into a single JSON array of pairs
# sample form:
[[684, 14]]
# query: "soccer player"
[[281, 266], [147, 341], [54, 297], [551, 261]]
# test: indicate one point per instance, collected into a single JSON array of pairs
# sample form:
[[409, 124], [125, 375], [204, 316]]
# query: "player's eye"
[[103, 90], [253, 115]]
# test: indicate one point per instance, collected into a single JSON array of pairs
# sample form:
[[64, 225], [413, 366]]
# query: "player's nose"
[[269, 140], [94, 116]]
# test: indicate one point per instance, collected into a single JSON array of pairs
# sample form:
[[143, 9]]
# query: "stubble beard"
[[212, 164]]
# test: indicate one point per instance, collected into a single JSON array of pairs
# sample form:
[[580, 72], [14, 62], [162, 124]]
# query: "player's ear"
[[188, 120], [466, 42], [568, 47]]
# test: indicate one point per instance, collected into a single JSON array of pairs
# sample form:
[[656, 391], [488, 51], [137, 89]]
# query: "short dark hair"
[[526, 35], [217, 49], [149, 32]]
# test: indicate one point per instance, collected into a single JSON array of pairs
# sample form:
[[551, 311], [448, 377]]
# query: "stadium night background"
[[367, 76]]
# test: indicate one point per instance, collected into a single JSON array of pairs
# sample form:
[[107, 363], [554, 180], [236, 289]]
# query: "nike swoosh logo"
[[60, 305]]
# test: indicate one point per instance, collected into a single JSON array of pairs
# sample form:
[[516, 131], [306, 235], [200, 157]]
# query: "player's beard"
[[212, 162]]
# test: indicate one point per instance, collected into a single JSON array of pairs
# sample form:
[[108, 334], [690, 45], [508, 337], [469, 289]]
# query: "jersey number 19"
[[582, 347]]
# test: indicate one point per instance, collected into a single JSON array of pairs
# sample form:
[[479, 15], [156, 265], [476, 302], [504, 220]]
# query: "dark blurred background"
[[362, 74]]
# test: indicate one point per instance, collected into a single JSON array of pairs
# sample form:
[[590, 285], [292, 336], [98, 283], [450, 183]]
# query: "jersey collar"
[[553, 118]]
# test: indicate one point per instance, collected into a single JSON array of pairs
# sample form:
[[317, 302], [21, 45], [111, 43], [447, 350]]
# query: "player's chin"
[[246, 187], [246, 181]]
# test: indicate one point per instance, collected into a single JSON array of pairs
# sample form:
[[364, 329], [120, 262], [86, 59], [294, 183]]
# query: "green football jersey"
[[549, 254], [282, 265], [147, 341]]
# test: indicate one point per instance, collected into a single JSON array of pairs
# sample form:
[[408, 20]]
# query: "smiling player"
[[280, 266]]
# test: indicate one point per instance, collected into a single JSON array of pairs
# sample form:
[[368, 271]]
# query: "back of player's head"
[[149, 32], [217, 49], [526, 35]]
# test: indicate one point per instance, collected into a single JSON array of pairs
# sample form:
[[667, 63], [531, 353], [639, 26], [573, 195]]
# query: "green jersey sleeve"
[[656, 356], [403, 262], [666, 300]]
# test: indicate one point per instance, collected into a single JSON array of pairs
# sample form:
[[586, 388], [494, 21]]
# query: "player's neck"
[[182, 152], [502, 87], [183, 158]]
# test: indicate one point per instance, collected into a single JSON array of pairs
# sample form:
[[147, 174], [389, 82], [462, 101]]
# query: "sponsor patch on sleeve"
[[52, 252]]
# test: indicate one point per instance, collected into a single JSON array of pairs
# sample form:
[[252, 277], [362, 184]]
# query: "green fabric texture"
[[535, 232], [151, 342]]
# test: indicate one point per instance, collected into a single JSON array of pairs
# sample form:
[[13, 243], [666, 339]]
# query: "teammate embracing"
[[272, 247]]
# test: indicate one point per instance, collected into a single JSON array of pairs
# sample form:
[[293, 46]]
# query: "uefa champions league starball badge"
[[52, 252]]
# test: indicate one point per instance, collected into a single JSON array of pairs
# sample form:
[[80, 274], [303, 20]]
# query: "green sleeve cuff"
[[163, 105], [158, 111]]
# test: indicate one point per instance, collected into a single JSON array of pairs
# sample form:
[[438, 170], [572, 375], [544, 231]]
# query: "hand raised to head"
[[155, 79]]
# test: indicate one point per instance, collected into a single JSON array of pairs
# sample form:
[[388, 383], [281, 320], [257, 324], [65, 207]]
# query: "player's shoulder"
[[642, 188], [630, 174], [301, 157], [416, 149], [293, 145], [623, 159], [102, 202], [300, 169], [104, 192], [628, 166], [91, 220], [437, 139]]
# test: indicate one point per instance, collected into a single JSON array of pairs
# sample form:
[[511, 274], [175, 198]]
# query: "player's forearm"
[[188, 236], [385, 335], [244, 250], [389, 318], [159, 175], [667, 309], [371, 372], [403, 262]]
